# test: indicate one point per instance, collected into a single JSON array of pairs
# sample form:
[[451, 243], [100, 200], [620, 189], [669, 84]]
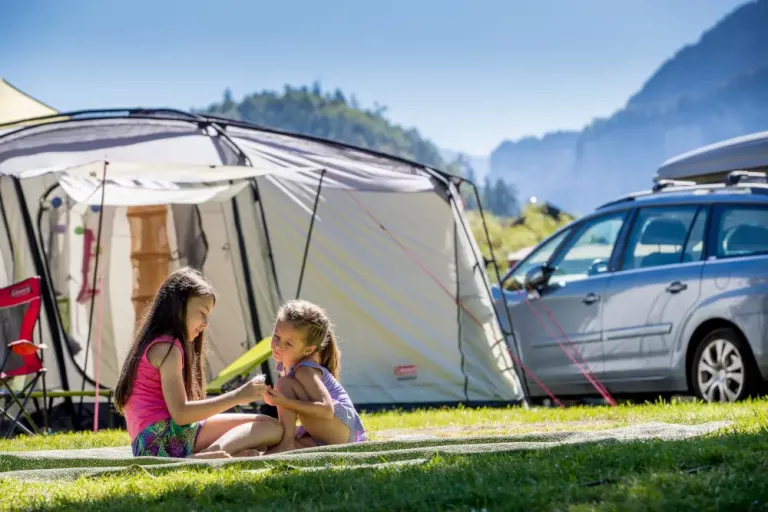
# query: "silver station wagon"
[[660, 292]]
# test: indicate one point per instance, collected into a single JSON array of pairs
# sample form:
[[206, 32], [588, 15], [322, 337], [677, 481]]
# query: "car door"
[[735, 288], [655, 287], [569, 302]]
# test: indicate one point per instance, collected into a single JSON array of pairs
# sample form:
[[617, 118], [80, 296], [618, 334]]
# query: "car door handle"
[[591, 298], [676, 287]]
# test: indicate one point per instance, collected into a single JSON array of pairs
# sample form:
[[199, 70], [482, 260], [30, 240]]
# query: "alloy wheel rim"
[[720, 372]]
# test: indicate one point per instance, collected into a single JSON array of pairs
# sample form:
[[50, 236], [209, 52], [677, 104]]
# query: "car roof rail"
[[759, 179], [624, 199], [661, 184], [658, 185], [736, 177]]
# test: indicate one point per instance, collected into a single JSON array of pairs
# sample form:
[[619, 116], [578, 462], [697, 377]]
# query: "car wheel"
[[722, 368]]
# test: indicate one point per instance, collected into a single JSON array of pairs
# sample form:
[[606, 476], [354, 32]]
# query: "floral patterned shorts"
[[166, 439]]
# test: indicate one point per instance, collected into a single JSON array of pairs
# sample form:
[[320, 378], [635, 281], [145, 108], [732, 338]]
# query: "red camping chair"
[[23, 358]]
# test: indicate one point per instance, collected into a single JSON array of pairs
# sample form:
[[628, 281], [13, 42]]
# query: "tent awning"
[[740, 153], [134, 184], [140, 139]]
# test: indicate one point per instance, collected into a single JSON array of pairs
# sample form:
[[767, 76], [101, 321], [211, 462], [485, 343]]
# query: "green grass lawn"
[[727, 470]]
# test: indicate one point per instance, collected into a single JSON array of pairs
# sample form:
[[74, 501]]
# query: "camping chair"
[[236, 373], [23, 358]]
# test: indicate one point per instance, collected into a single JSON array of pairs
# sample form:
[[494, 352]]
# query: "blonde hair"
[[318, 331]]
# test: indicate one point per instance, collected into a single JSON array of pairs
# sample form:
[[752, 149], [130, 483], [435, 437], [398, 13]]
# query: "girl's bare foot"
[[220, 454], [248, 453], [282, 447]]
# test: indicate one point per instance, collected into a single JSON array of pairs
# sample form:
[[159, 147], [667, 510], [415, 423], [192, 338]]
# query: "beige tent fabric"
[[17, 106]]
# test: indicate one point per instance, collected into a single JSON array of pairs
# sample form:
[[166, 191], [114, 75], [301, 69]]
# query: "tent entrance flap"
[[139, 247]]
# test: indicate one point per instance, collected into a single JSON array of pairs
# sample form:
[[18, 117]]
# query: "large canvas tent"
[[382, 243]]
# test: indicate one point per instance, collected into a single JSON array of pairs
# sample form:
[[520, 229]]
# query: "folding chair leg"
[[22, 407], [23, 412], [4, 412], [45, 409]]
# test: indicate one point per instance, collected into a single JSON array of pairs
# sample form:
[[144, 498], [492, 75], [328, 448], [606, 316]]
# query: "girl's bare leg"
[[305, 442], [238, 434], [292, 389], [331, 431]]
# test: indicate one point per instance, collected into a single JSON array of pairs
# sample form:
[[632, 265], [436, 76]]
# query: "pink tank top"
[[146, 404]]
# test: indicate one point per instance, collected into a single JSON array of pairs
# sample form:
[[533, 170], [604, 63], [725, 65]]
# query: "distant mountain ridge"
[[714, 89]]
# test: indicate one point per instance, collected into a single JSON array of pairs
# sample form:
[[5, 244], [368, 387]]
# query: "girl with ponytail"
[[307, 356]]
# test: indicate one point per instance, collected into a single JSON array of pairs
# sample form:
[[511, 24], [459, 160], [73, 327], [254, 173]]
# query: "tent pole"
[[521, 376], [309, 233], [523, 381], [246, 270], [7, 226], [242, 159], [93, 288], [48, 269], [254, 312], [443, 177], [51, 310], [270, 254]]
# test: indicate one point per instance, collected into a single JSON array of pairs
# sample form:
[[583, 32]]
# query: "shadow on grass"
[[726, 471]]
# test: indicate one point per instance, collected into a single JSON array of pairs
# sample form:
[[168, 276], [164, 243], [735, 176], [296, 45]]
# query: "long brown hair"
[[313, 320], [167, 315]]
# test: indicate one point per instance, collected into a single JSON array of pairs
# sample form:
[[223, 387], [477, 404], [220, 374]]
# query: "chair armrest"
[[25, 347]]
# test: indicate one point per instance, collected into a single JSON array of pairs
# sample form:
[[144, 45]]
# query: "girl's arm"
[[320, 404], [184, 411]]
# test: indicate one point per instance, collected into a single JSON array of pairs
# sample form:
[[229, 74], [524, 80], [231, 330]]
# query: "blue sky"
[[467, 74]]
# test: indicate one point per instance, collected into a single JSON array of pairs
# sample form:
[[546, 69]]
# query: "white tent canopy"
[[388, 255], [136, 184], [749, 152]]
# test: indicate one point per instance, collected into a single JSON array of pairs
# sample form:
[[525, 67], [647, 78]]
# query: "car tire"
[[723, 369]]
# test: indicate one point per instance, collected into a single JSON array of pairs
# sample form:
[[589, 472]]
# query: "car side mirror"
[[537, 276], [597, 267]]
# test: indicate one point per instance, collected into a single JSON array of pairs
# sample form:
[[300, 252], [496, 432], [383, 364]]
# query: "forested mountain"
[[336, 116]]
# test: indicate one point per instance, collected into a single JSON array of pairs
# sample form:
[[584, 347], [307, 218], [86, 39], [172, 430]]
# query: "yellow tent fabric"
[[16, 106], [242, 366]]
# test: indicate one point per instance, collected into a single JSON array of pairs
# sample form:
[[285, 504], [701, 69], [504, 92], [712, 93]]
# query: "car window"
[[742, 231], [589, 251], [538, 256], [694, 248], [658, 237]]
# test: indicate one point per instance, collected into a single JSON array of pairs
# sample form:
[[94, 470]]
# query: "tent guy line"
[[586, 371], [597, 384]]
